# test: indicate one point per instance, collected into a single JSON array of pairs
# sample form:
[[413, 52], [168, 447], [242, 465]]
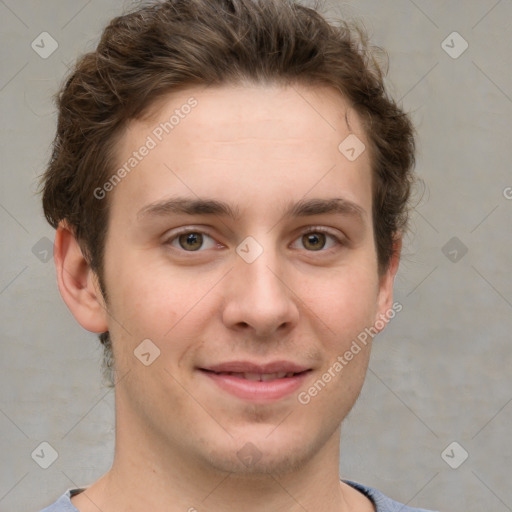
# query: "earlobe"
[[78, 283], [385, 298]]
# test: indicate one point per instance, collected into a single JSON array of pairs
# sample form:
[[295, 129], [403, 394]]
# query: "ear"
[[78, 283], [386, 281]]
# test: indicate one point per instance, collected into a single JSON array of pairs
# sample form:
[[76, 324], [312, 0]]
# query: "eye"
[[317, 240], [192, 241]]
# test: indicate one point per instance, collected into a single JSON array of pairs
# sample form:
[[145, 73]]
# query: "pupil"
[[314, 241], [191, 241]]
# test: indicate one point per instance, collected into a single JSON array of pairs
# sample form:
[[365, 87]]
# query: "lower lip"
[[255, 390]]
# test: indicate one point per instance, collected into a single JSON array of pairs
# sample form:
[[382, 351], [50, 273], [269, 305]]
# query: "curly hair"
[[163, 46]]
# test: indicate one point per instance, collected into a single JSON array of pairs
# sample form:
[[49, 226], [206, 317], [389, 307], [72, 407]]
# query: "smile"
[[257, 383], [262, 377]]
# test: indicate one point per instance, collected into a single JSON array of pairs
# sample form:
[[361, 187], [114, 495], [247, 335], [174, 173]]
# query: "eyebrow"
[[305, 208], [188, 206], [198, 206]]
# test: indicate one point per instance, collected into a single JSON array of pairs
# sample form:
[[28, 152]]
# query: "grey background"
[[439, 373]]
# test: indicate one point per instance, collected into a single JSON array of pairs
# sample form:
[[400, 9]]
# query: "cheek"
[[142, 290], [345, 302], [151, 302], [347, 309]]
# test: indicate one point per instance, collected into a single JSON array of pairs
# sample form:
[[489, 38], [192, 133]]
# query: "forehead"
[[243, 140], [228, 111]]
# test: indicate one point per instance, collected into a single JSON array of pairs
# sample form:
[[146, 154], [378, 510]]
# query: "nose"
[[258, 299]]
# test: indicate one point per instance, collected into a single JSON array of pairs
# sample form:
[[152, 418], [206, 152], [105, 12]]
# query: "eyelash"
[[312, 229]]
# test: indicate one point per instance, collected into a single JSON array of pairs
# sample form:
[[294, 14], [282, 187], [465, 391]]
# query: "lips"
[[262, 377], [247, 367], [257, 382], [257, 372]]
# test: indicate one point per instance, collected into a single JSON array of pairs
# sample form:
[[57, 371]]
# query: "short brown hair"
[[169, 45]]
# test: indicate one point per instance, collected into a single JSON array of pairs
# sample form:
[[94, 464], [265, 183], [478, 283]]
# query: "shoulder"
[[63, 504], [383, 503]]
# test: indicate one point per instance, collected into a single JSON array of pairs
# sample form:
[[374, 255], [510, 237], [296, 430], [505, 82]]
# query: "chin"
[[269, 464], [260, 455]]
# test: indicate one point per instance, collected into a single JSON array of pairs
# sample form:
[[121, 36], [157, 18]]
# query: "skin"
[[258, 148]]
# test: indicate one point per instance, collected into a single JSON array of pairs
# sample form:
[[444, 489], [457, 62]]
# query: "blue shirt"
[[382, 503]]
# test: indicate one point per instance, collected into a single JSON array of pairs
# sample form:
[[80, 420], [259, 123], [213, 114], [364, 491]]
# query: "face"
[[240, 244]]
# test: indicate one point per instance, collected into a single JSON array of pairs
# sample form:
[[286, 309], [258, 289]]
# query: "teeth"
[[264, 377], [251, 376]]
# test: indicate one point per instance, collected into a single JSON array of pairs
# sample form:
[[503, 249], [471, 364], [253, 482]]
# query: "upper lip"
[[250, 367]]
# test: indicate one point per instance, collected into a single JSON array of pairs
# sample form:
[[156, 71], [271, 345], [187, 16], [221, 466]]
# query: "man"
[[229, 184]]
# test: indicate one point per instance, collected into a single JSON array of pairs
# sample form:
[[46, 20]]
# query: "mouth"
[[257, 383], [255, 376], [261, 377]]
